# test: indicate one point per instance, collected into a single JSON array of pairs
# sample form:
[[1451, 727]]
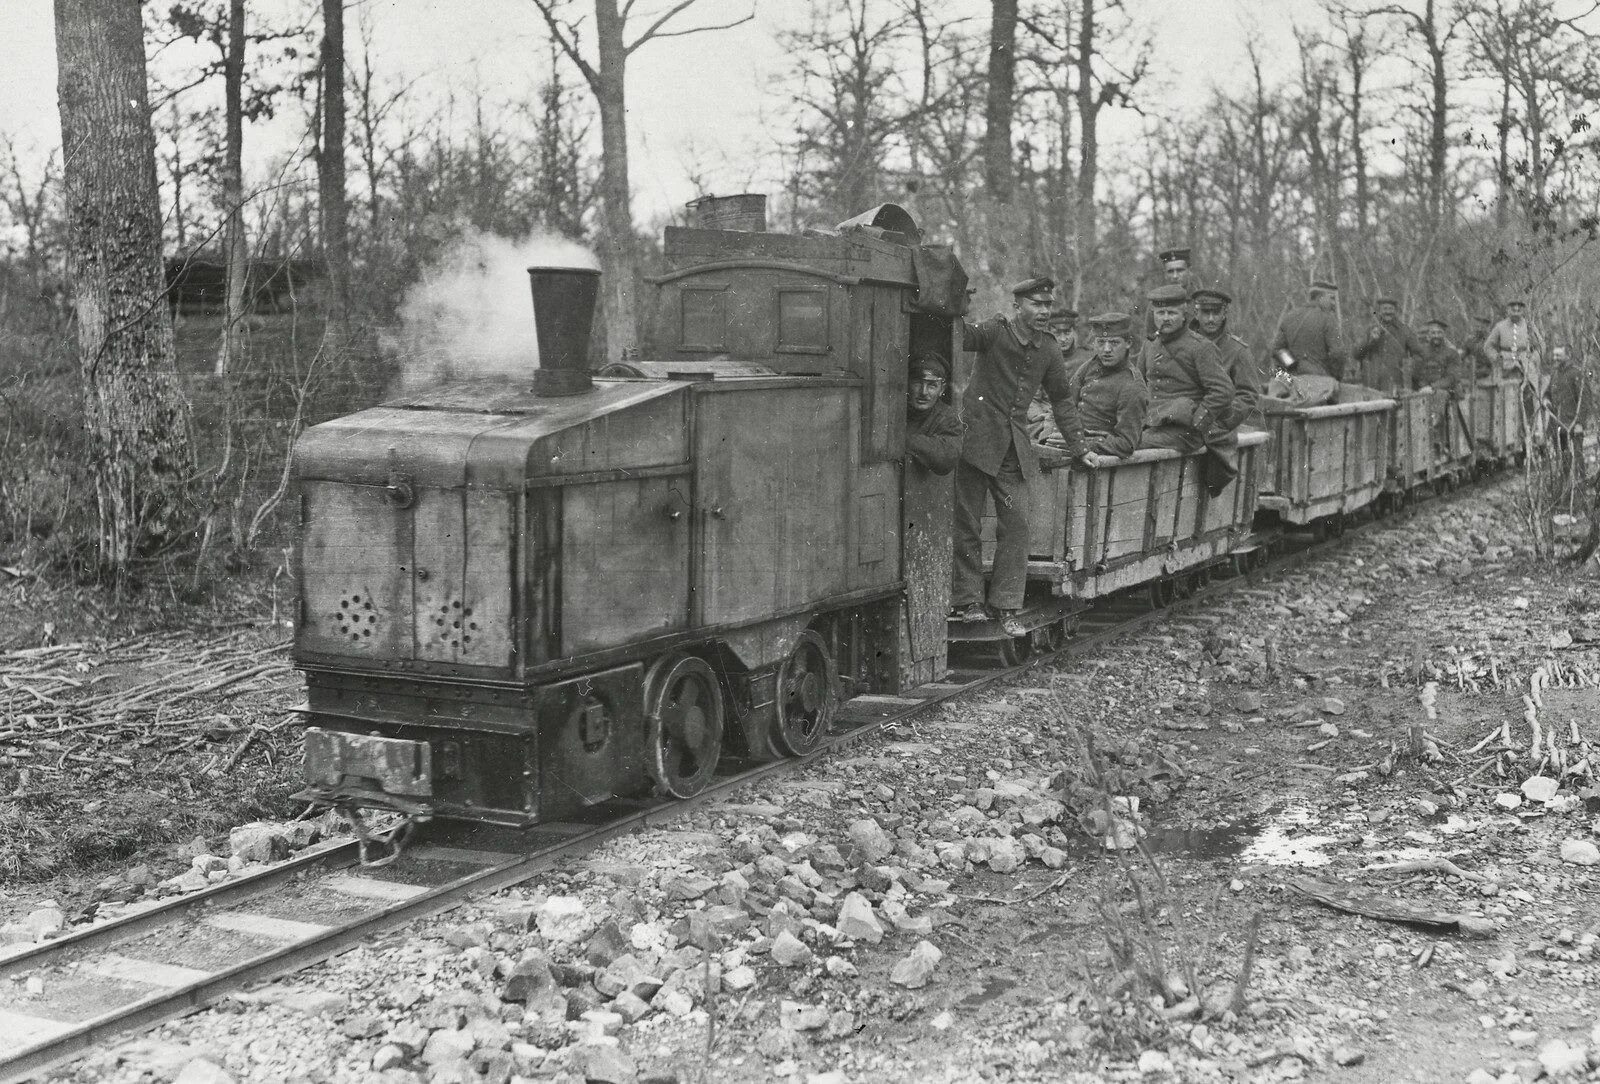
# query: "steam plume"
[[471, 315]]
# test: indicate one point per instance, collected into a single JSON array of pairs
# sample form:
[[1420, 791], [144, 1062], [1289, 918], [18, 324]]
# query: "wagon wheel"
[[1184, 586], [808, 697], [684, 715], [1055, 635], [1161, 593], [1203, 577], [1241, 563]]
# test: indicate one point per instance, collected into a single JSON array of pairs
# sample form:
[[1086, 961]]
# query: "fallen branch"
[[1427, 865]]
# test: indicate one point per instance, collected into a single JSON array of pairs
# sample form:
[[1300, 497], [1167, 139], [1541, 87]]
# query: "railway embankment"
[[1141, 863]]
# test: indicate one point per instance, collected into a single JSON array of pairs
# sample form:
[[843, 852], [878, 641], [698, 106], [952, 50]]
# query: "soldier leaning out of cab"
[[1017, 355], [933, 431]]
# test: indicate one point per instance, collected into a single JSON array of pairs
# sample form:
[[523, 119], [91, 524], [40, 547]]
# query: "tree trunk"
[[233, 188], [618, 250], [1088, 146], [1502, 174], [135, 419], [1437, 134], [998, 177], [1358, 72], [330, 174]]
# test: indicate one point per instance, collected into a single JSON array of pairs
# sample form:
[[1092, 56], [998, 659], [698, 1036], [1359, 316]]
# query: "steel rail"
[[295, 956]]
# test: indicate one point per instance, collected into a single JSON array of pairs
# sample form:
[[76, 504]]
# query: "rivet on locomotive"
[[521, 599]]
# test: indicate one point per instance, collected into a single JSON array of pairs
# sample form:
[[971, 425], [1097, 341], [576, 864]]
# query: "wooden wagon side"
[[1327, 460]]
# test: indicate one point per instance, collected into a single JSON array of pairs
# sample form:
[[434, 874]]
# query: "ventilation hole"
[[353, 636], [466, 639], [372, 620], [369, 606], [455, 605], [366, 632], [455, 624], [345, 605], [355, 598], [473, 625], [467, 612]]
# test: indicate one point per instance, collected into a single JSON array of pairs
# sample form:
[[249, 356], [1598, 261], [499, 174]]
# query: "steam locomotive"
[[518, 601]]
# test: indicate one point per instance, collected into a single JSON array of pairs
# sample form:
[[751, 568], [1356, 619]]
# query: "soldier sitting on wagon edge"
[[933, 431], [1109, 393]]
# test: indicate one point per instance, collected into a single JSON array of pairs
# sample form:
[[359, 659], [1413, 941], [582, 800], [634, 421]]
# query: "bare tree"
[[330, 173], [1000, 101], [607, 80], [136, 420]]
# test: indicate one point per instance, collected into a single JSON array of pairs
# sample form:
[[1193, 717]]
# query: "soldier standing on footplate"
[[1310, 336], [1016, 356]]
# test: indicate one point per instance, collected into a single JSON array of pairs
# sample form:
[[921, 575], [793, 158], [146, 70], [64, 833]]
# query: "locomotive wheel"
[[1056, 635], [1161, 593], [1015, 650], [808, 697], [684, 715]]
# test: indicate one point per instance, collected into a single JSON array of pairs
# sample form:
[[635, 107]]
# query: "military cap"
[[1169, 293], [931, 362], [1065, 312], [1172, 255], [1213, 294], [1034, 287], [1323, 286], [1517, 301], [1484, 319], [1113, 324], [1387, 300], [1436, 323]]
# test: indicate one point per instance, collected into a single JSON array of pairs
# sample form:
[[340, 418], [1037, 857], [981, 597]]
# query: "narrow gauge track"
[[113, 977]]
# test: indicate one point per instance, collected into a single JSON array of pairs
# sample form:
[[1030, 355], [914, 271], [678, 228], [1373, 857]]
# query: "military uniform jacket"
[[1444, 368], [1385, 361], [1111, 403], [933, 438], [1009, 370], [1313, 337], [1241, 368], [1188, 385], [1514, 345], [1569, 396]]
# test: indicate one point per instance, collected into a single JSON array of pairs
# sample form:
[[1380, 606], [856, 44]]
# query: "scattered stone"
[[739, 978], [1331, 705], [603, 1063], [1043, 812], [689, 887], [1561, 1060], [203, 1071], [799, 1017], [1507, 800], [630, 1006], [942, 1022], [1152, 1062], [388, 1056], [1005, 855], [1346, 1056], [209, 863], [447, 1045], [915, 970], [871, 841], [1580, 852], [1539, 788], [627, 973], [259, 842], [564, 920], [790, 951], [362, 1026], [857, 920], [675, 1001], [409, 1036], [43, 922]]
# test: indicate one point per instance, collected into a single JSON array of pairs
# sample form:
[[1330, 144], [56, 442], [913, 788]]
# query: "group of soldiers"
[[1182, 382]]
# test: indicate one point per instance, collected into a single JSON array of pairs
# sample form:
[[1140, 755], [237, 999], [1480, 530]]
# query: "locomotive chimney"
[[563, 314]]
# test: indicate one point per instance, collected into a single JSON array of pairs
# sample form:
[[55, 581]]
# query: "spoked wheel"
[[808, 697], [684, 715], [1161, 593]]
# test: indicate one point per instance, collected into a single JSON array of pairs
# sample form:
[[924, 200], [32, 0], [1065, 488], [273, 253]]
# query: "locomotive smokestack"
[[563, 314]]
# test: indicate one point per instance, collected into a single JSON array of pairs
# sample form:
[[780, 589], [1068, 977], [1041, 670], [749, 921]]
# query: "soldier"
[[1387, 356], [1211, 321], [1063, 325], [1310, 336], [1440, 365], [1174, 269], [1484, 367], [1568, 397], [1016, 355], [1514, 345], [933, 431], [1189, 388], [1041, 414], [1107, 390]]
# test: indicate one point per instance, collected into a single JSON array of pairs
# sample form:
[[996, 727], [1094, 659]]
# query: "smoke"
[[471, 315]]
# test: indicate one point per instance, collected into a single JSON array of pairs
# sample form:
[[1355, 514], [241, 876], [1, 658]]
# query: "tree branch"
[[568, 43], [655, 30]]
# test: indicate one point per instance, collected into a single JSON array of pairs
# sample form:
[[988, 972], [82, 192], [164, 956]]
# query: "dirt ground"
[[1284, 739]]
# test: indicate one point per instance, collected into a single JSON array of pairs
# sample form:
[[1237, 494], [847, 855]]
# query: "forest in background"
[[1438, 151]]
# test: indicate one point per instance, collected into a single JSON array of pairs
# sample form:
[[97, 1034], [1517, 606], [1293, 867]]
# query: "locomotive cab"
[[518, 602]]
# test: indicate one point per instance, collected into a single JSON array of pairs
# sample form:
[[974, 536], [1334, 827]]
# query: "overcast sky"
[[703, 101]]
